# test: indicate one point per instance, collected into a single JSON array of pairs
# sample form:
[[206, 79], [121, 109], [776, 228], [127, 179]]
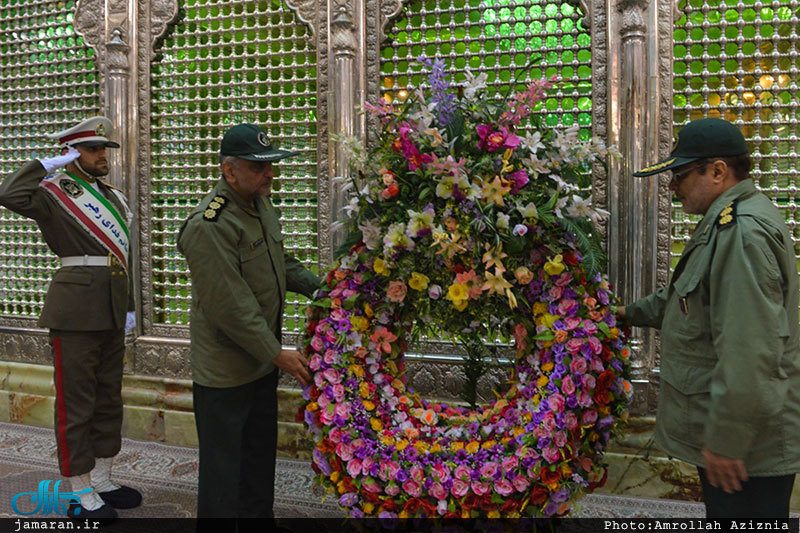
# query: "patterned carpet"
[[167, 477]]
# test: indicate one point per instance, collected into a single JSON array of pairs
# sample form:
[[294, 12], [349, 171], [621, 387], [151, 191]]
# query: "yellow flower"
[[368, 311], [418, 282], [548, 366], [421, 446], [488, 444], [359, 323], [539, 308], [493, 257], [334, 477], [357, 370], [379, 266], [369, 406], [493, 514], [402, 444], [457, 292], [512, 300], [436, 448], [542, 381], [363, 389], [455, 446], [494, 191], [387, 440], [368, 508], [313, 406], [547, 320], [555, 266], [473, 446], [376, 424], [495, 283]]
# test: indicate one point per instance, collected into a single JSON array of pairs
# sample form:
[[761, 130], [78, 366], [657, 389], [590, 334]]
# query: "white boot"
[[101, 475], [90, 501]]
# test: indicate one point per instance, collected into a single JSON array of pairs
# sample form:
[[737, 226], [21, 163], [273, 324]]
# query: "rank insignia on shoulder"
[[727, 217], [215, 207]]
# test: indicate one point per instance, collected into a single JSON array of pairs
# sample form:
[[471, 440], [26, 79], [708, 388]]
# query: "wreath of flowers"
[[469, 227]]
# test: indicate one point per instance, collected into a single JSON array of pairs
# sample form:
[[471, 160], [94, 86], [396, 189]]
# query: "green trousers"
[[88, 412]]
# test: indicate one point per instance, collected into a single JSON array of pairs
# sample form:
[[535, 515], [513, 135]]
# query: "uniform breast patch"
[[727, 217], [215, 207]]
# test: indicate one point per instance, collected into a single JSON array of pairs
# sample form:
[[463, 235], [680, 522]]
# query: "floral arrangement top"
[[470, 229]]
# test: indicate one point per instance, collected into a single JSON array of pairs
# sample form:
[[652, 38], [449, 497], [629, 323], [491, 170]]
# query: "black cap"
[[701, 139], [248, 141]]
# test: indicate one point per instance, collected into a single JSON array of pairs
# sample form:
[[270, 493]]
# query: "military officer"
[[729, 400], [85, 222], [240, 275]]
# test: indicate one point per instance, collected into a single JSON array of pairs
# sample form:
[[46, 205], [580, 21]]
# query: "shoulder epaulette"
[[215, 207], [107, 184], [727, 217]]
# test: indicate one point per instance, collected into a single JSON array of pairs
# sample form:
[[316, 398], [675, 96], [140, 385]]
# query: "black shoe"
[[105, 514], [122, 498]]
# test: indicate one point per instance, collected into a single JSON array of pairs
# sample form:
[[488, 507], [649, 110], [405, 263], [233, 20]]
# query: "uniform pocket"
[[685, 399], [257, 269], [78, 278]]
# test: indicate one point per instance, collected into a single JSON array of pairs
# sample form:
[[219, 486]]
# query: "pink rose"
[[585, 400], [567, 386], [441, 472], [332, 375], [460, 488], [559, 439], [438, 491], [326, 417], [338, 392], [572, 322], [590, 327], [597, 346], [369, 483], [397, 291], [564, 279], [551, 454], [521, 483], [342, 409], [589, 418], [578, 365], [549, 421], [462, 472], [555, 293], [389, 470], [392, 489], [315, 362], [417, 473], [335, 435], [354, 468], [570, 420], [316, 343], [567, 307], [412, 487], [323, 400], [588, 382], [597, 365], [556, 403], [574, 345], [480, 488], [331, 357], [504, 487], [488, 469], [344, 451], [509, 463]]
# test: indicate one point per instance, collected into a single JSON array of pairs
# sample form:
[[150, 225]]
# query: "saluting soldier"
[[729, 401], [240, 274], [85, 222]]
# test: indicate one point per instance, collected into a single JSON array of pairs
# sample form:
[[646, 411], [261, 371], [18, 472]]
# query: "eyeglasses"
[[677, 177]]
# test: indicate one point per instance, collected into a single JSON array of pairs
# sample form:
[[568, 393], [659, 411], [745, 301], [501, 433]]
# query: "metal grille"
[[739, 60], [498, 37], [223, 64], [48, 81]]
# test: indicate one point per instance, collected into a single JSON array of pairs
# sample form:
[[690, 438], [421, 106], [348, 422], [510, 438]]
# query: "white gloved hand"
[[52, 163], [130, 321]]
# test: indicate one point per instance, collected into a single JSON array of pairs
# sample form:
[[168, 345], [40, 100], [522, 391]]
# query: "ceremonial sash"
[[92, 211]]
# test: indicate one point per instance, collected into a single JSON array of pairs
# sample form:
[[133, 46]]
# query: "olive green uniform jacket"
[[80, 298], [730, 361], [240, 275]]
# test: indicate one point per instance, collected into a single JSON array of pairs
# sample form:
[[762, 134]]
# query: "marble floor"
[[167, 477]]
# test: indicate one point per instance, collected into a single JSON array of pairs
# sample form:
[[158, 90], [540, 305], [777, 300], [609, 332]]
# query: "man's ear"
[[64, 150]]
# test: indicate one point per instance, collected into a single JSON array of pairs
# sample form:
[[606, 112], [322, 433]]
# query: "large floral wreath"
[[467, 229]]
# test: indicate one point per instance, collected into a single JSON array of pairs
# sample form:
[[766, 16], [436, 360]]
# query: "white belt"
[[88, 260]]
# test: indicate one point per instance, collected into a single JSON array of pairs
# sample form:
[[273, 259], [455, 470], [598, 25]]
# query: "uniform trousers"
[[88, 412], [760, 497], [237, 430]]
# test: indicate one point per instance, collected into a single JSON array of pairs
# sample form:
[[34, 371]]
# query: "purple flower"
[[440, 93]]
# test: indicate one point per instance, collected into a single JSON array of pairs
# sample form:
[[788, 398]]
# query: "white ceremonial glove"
[[130, 321], [52, 163]]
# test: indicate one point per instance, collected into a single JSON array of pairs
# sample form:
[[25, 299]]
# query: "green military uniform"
[[730, 364], [240, 275], [85, 309]]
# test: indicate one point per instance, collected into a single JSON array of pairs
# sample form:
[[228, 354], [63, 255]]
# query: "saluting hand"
[[723, 472], [294, 363]]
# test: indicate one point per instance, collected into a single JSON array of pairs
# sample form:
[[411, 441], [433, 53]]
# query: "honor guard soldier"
[[729, 399], [88, 306], [240, 275]]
